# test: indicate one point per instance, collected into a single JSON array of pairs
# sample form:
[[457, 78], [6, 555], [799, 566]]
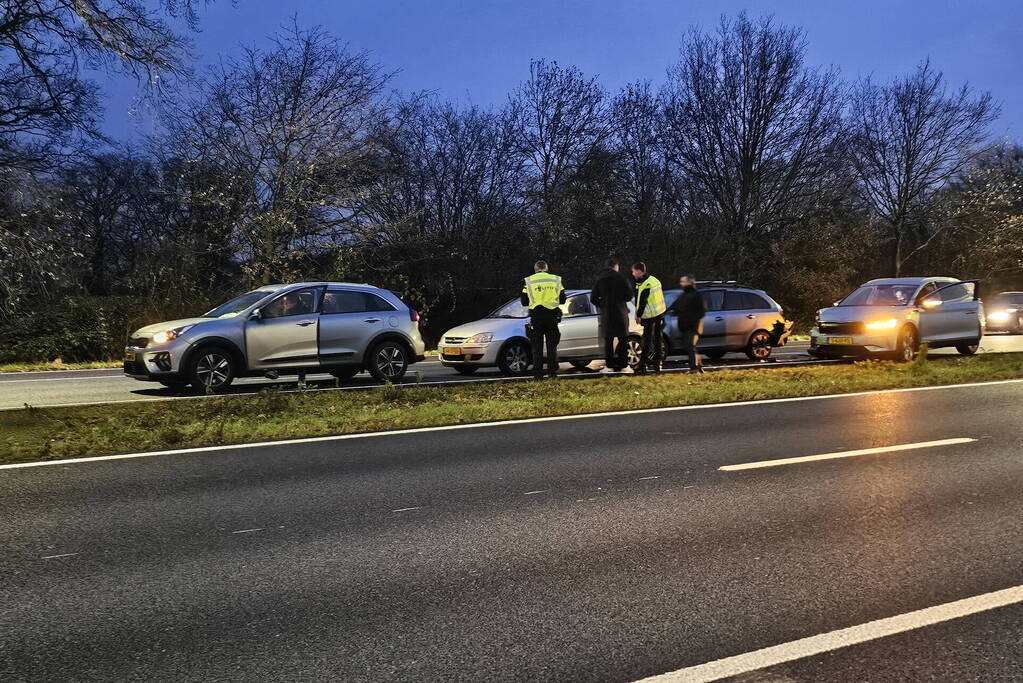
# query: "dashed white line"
[[533, 493], [645, 478], [53, 557], [247, 531], [407, 509], [846, 454], [834, 640]]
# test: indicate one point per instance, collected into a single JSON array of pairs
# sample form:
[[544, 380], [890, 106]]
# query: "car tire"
[[388, 361], [634, 352], [908, 344], [212, 368], [715, 354], [345, 373], [466, 369], [580, 364], [515, 359], [665, 348], [968, 349], [759, 345]]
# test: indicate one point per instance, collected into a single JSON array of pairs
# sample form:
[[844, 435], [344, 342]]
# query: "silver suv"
[[894, 316], [500, 338], [738, 318], [333, 327]]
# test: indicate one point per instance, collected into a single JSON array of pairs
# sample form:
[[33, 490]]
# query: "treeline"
[[297, 161]]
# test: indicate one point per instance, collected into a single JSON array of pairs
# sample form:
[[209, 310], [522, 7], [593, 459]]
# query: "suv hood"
[[501, 327], [848, 314], [150, 330]]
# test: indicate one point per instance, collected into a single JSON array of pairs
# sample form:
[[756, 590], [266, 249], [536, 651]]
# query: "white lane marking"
[[247, 531], [407, 509], [645, 478], [845, 454], [496, 423], [62, 379], [533, 493], [834, 640], [53, 557]]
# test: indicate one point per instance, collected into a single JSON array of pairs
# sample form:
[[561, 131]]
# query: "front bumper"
[[468, 354], [152, 364], [853, 344]]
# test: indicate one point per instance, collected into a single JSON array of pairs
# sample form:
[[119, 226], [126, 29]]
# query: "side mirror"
[[929, 303], [256, 315]]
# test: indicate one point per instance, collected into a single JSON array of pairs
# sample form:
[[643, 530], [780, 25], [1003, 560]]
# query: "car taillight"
[[413, 314]]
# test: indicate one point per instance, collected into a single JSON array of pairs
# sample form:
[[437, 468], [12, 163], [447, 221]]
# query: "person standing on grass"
[[611, 294], [689, 308], [650, 311], [543, 294]]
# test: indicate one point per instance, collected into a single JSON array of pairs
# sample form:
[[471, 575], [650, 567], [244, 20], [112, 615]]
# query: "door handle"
[[971, 312], [305, 323], [750, 316], [718, 318], [371, 320]]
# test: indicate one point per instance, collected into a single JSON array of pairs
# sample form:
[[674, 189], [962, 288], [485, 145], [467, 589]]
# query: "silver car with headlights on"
[[334, 327], [894, 316], [499, 340], [1005, 313]]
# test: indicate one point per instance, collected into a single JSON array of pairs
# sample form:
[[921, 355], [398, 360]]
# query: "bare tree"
[[910, 138], [751, 129]]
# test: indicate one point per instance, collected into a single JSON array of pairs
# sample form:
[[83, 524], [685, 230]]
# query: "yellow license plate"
[[129, 356], [840, 340], [452, 351]]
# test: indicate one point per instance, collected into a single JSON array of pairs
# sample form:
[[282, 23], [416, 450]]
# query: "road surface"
[[604, 548], [97, 386]]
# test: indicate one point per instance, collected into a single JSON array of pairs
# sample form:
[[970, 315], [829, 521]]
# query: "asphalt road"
[[587, 549], [97, 386]]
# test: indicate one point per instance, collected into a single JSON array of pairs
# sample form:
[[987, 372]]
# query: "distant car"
[[334, 327], [1005, 313], [500, 338], [894, 316], [739, 319]]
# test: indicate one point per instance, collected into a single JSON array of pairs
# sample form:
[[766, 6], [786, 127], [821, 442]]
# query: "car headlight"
[[999, 317], [481, 338], [164, 336], [882, 324]]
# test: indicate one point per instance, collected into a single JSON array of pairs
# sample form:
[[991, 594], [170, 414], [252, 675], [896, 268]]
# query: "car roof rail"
[[725, 284]]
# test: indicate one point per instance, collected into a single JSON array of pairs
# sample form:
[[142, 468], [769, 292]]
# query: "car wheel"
[[908, 344], [466, 369], [211, 368], [388, 361], [635, 352], [515, 359], [346, 373], [715, 354], [968, 349], [665, 348], [759, 346], [580, 364]]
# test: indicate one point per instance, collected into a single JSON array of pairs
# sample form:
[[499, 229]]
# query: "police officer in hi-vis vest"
[[650, 311], [543, 294]]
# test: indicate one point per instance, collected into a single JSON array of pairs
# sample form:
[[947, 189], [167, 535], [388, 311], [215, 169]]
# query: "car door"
[[740, 321], [578, 328], [713, 336], [956, 317], [349, 321], [283, 332]]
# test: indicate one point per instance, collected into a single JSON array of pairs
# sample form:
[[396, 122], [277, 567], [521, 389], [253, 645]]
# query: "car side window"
[[926, 290], [300, 302], [735, 301], [351, 301], [957, 292], [755, 301], [714, 300], [578, 305]]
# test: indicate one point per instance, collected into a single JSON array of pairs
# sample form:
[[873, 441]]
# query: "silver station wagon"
[[334, 327], [499, 340], [894, 316]]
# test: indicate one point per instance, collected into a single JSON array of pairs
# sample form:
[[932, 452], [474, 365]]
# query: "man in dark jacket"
[[690, 308], [611, 294]]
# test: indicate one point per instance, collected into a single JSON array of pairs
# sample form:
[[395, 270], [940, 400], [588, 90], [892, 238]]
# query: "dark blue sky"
[[479, 50]]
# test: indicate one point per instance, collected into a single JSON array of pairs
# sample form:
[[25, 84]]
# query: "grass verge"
[[52, 433], [57, 365]]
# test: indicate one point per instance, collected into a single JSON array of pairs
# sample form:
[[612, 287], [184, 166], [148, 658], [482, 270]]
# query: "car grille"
[[842, 328], [455, 340], [138, 342], [134, 367]]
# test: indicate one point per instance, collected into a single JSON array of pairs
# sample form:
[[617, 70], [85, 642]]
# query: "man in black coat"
[[612, 294], [690, 308]]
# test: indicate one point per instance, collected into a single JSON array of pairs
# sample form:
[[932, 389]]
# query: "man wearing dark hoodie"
[[611, 295], [689, 308]]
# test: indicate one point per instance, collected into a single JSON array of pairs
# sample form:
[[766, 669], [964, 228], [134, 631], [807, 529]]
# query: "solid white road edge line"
[[845, 454], [834, 640], [499, 423]]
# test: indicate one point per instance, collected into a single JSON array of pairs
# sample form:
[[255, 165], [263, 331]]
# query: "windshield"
[[237, 305], [880, 295], [512, 309]]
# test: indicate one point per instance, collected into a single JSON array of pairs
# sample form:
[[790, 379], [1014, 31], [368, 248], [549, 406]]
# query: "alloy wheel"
[[907, 344], [517, 358], [634, 353], [760, 346], [391, 361], [213, 370]]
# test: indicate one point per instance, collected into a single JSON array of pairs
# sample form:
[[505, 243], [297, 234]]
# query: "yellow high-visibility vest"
[[543, 289], [655, 300]]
